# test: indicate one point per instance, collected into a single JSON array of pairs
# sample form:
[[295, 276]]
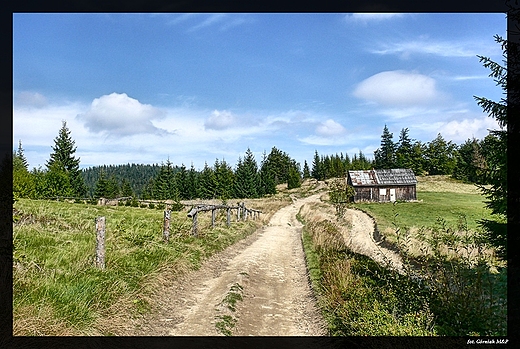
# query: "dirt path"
[[263, 277], [360, 238]]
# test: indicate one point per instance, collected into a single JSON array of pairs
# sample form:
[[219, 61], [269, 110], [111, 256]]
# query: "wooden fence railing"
[[242, 213]]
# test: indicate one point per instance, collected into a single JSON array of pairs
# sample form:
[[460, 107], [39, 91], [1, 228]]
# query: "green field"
[[57, 289], [438, 197]]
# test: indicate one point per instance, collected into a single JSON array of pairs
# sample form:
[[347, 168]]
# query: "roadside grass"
[[57, 290], [453, 285], [354, 292]]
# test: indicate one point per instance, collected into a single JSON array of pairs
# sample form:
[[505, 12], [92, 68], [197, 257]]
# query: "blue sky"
[[141, 88]]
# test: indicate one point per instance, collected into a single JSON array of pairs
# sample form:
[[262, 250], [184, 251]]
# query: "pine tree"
[[294, 177], [23, 182], [440, 156], [224, 180], [317, 167], [267, 185], [21, 156], [403, 153], [246, 177], [306, 171], [62, 159], [165, 188], [207, 183], [192, 183], [181, 181], [384, 156], [102, 187], [126, 188]]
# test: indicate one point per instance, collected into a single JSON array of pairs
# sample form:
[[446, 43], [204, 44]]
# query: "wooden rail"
[[242, 213]]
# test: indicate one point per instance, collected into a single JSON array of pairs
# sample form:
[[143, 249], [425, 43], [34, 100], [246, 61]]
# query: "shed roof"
[[396, 176]]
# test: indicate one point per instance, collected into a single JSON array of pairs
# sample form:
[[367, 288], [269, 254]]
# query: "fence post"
[[238, 211], [228, 217], [213, 217], [166, 226], [194, 232], [100, 242]]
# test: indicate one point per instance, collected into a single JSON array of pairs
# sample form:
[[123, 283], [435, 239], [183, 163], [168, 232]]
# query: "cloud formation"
[[219, 120], [120, 115], [31, 99], [431, 47], [398, 88], [330, 128], [366, 17], [459, 131]]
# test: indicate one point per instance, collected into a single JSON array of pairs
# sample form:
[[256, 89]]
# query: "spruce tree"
[[317, 168], [207, 183], [403, 153], [62, 159], [384, 156], [246, 177], [440, 156], [181, 180], [126, 188], [267, 185], [192, 183], [499, 142], [21, 156], [306, 171], [294, 177], [102, 186], [165, 188], [224, 180]]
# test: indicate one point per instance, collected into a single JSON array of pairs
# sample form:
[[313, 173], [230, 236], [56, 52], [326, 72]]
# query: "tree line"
[[469, 162]]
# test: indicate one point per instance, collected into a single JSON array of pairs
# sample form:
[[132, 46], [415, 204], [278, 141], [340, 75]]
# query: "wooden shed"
[[386, 185]]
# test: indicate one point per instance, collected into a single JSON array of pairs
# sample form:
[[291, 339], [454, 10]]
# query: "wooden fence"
[[242, 214]]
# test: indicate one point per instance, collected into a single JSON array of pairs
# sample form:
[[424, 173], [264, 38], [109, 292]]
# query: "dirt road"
[[360, 239], [257, 287]]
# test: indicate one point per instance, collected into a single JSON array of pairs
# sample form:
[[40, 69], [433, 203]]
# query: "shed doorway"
[[392, 195]]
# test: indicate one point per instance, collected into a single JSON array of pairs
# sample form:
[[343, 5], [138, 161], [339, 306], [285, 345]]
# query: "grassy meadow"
[[57, 289], [437, 197], [454, 284]]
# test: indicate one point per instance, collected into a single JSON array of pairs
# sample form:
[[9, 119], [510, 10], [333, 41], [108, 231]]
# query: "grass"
[[226, 322], [464, 200], [353, 291], [57, 290], [453, 285]]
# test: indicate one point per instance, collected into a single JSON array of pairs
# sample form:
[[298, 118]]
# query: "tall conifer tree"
[[62, 159]]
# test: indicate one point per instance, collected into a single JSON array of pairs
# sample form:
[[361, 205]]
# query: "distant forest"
[[137, 175], [250, 178]]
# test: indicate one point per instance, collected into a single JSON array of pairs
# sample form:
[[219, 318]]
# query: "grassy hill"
[[439, 197]]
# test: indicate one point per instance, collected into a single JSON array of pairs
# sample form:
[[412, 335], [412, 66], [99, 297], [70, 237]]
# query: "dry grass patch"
[[444, 183]]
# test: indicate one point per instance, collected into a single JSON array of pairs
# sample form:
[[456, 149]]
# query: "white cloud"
[[211, 20], [30, 99], [330, 128], [371, 17], [222, 21], [120, 115], [460, 131], [399, 88], [220, 120], [438, 48]]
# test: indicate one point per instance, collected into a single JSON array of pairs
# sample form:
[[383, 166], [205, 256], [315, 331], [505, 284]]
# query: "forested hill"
[[138, 175]]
